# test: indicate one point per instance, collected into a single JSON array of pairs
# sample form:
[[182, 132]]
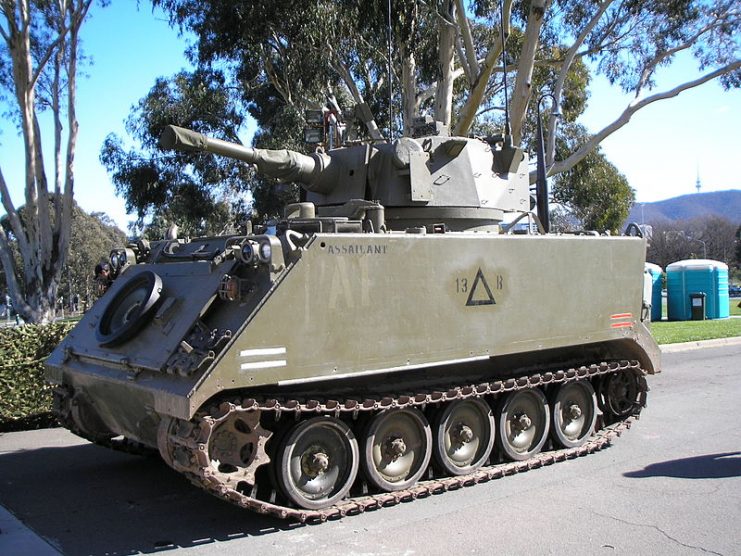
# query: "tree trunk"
[[41, 240], [444, 95], [467, 114], [523, 85], [408, 88]]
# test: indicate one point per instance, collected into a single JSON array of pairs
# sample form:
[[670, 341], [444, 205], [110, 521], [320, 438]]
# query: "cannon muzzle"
[[316, 172]]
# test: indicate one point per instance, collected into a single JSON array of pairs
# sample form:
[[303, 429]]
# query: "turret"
[[421, 182]]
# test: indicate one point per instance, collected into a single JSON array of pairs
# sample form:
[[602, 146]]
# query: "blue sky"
[[659, 151]]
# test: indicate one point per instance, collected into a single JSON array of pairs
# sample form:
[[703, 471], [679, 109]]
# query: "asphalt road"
[[671, 485]]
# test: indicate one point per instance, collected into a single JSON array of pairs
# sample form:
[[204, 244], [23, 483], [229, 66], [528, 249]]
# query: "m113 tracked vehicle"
[[388, 339]]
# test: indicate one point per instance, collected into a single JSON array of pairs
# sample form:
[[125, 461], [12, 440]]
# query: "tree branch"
[[467, 114], [627, 114], [446, 47], [8, 265], [523, 82], [408, 88], [663, 55], [42, 192], [274, 79], [64, 225], [468, 59], [344, 73], [12, 213], [565, 68]]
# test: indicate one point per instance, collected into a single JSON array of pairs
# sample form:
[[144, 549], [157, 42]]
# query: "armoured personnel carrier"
[[388, 339]]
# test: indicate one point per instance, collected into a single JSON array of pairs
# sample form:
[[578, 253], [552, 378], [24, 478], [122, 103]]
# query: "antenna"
[[391, 90], [505, 159], [507, 129]]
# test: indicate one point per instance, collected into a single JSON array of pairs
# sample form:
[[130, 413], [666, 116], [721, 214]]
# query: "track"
[[186, 446]]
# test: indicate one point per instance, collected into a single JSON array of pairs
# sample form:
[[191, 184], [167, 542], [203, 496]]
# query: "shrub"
[[25, 398]]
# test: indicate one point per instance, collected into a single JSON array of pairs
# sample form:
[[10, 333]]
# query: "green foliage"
[[199, 192], [92, 238], [598, 195], [277, 58], [693, 331], [25, 399]]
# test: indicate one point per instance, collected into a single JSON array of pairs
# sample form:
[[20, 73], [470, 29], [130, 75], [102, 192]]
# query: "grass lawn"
[[736, 306], [691, 331]]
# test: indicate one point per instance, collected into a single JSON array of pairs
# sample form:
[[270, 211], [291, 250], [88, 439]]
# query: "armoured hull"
[[354, 315], [385, 341], [360, 305]]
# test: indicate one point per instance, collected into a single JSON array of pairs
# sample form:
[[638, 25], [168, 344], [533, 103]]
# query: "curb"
[[687, 346], [19, 540]]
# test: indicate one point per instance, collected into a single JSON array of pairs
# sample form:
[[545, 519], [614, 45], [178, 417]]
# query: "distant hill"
[[726, 204]]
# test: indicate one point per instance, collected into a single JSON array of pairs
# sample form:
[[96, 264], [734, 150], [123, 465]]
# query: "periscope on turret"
[[392, 337]]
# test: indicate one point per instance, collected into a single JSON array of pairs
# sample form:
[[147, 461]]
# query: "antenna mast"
[[506, 158], [391, 90]]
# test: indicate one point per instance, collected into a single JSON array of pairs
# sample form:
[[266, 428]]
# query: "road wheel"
[[524, 419], [574, 413], [397, 446], [129, 310], [317, 462], [464, 436]]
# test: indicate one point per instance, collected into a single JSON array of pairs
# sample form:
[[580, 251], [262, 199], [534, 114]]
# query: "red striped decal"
[[622, 316], [621, 324]]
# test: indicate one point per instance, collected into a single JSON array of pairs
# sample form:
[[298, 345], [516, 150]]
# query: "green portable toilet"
[[686, 280], [655, 271]]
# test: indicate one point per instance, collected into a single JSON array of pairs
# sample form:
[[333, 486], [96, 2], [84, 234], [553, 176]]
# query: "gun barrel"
[[283, 165], [182, 139]]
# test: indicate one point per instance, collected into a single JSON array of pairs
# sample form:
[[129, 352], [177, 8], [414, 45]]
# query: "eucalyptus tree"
[[595, 192], [444, 58], [444, 54], [194, 191], [39, 55]]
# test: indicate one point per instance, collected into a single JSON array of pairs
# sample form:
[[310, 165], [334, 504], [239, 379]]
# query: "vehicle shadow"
[[85, 499], [710, 466]]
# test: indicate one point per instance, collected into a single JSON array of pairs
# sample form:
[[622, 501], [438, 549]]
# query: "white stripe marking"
[[262, 365], [262, 352], [377, 371]]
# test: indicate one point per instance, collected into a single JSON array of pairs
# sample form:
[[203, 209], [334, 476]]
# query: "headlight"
[[248, 253], [265, 252], [121, 259]]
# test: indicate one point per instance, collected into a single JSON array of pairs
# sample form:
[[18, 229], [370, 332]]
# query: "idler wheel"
[[573, 413], [619, 392], [129, 310], [397, 447], [317, 462], [523, 424], [464, 436]]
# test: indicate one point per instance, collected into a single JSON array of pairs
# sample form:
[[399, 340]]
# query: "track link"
[[184, 444]]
